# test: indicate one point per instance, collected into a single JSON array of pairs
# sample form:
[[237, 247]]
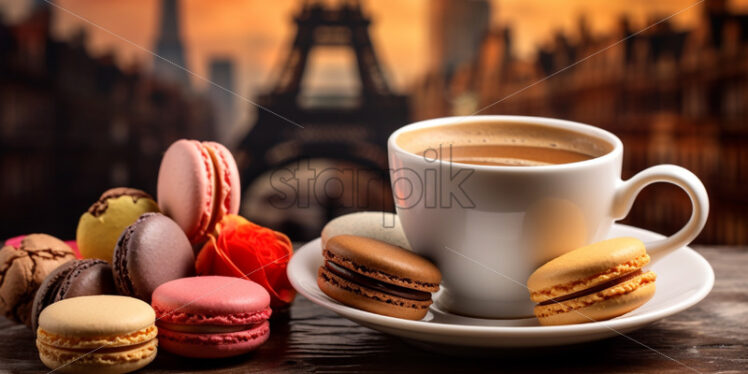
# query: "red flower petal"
[[246, 250]]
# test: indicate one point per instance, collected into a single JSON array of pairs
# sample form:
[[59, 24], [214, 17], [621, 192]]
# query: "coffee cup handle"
[[627, 191]]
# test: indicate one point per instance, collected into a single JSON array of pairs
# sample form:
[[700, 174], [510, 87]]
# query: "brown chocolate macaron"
[[23, 268], [150, 252], [71, 279], [377, 277]]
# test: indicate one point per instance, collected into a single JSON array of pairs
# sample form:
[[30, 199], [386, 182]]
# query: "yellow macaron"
[[97, 334], [100, 227], [592, 283]]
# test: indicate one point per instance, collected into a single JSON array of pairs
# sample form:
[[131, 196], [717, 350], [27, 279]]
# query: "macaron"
[[24, 264], [97, 334], [592, 283], [198, 184], [72, 279], [99, 227], [211, 316], [382, 226], [150, 252], [377, 277], [16, 241]]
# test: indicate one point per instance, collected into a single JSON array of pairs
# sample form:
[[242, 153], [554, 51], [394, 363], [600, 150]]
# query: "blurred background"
[[92, 92]]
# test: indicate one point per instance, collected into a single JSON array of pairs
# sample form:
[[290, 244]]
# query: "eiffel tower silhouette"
[[335, 130]]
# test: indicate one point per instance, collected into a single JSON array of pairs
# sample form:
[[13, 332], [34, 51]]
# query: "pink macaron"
[[198, 184], [211, 316]]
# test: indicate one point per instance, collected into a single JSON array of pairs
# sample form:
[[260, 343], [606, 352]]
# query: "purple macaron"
[[150, 252]]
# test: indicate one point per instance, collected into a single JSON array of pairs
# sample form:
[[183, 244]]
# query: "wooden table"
[[710, 337]]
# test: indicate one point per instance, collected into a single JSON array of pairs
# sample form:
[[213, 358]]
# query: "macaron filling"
[[205, 220], [206, 329], [102, 349], [215, 345], [375, 284], [594, 289], [217, 190], [222, 201], [407, 282], [94, 342]]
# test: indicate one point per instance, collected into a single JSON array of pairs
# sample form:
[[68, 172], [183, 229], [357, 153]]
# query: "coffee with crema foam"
[[503, 144]]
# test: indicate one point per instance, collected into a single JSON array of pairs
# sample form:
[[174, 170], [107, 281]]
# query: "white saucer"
[[683, 279]]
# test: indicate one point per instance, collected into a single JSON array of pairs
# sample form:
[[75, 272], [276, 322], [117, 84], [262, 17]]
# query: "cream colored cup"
[[489, 227]]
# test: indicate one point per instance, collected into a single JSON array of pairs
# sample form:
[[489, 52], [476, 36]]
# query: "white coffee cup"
[[489, 227]]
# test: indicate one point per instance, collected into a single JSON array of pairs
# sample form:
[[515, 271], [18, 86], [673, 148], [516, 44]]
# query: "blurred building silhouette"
[[672, 96], [170, 64], [73, 125], [221, 73], [348, 132], [456, 28]]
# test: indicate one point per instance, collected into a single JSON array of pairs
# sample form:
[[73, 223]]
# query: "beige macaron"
[[97, 334], [596, 282], [382, 226]]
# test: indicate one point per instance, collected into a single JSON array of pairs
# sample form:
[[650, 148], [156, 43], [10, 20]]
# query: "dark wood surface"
[[710, 337]]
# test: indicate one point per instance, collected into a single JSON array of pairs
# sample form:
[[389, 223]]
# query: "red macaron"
[[198, 184], [211, 316]]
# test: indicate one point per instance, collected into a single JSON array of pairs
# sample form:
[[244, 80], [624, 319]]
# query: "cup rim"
[[531, 120]]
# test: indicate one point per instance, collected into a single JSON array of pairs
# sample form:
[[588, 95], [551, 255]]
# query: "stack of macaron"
[[137, 262], [128, 247]]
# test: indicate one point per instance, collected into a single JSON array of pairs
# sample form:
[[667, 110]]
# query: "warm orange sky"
[[254, 33]]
